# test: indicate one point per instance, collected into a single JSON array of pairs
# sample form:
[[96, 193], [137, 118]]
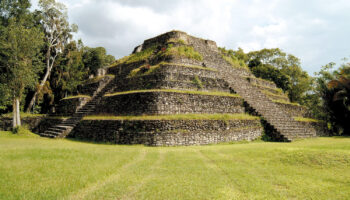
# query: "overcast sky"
[[316, 31]]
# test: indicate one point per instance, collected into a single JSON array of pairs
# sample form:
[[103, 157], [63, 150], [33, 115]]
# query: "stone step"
[[56, 129], [261, 104], [53, 133], [46, 135]]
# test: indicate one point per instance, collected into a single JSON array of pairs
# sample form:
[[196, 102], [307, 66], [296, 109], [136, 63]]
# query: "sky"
[[316, 31]]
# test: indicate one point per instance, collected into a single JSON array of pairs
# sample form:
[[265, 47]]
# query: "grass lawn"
[[39, 168]]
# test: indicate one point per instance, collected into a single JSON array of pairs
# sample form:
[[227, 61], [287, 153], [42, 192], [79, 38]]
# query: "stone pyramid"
[[176, 89]]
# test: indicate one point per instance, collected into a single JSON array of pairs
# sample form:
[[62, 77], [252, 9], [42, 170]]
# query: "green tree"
[[283, 69], [14, 9], [333, 88], [20, 46], [58, 32], [96, 58]]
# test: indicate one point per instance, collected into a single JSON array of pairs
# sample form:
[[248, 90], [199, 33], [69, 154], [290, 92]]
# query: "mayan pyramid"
[[176, 89]]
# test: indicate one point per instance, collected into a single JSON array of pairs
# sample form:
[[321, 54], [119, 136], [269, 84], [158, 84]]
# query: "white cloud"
[[316, 31]]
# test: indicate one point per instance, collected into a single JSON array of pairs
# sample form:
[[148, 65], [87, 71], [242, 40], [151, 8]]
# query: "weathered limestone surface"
[[152, 103]]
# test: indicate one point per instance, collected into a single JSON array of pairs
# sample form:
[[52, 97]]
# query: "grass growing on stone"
[[268, 93], [278, 90], [286, 102], [302, 119], [143, 70], [74, 97], [192, 66], [182, 51], [212, 93], [197, 82], [135, 57], [41, 168], [224, 117], [147, 69], [177, 41]]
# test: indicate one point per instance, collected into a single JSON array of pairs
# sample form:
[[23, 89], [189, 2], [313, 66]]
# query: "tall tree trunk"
[[48, 71], [16, 113]]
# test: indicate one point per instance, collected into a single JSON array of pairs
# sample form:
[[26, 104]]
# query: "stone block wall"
[[320, 127], [31, 122], [294, 110], [173, 80], [168, 132], [155, 103], [35, 124], [68, 107]]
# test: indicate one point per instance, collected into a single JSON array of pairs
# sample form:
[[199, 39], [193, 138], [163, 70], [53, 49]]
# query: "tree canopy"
[[39, 60]]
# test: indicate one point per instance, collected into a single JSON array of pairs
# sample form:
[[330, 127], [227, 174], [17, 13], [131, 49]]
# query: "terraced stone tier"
[[156, 102], [168, 132], [171, 81]]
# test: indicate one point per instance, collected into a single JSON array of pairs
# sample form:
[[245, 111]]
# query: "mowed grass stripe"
[[150, 175], [83, 193], [129, 180], [183, 175], [230, 190], [284, 174]]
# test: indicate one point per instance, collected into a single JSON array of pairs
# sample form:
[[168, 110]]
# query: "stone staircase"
[[63, 129], [284, 124]]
